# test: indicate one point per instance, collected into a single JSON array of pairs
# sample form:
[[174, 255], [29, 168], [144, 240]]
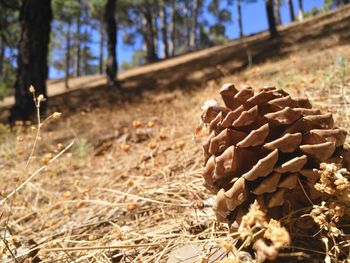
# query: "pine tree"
[[111, 29], [291, 10], [271, 18], [35, 21]]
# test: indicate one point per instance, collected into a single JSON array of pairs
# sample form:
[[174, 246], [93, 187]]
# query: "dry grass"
[[130, 187]]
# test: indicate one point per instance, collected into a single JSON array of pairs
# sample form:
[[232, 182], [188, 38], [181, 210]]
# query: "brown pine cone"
[[265, 146]]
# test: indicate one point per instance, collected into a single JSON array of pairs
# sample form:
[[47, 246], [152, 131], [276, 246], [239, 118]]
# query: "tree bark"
[[239, 18], [291, 10], [151, 55], [35, 21], [172, 29], [271, 18], [276, 9], [155, 33], [68, 62], [78, 53], [187, 24], [2, 56], [111, 29], [85, 58], [194, 25], [163, 21], [301, 10], [101, 52]]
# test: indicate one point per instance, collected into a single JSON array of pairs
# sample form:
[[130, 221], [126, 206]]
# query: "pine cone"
[[266, 146]]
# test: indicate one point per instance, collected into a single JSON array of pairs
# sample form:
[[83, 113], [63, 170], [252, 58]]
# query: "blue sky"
[[253, 17]]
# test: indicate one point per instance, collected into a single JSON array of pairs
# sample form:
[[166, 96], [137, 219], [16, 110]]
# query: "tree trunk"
[[163, 22], [78, 53], [291, 10], [187, 25], [194, 25], [172, 29], [277, 9], [85, 59], [101, 53], [2, 56], [151, 55], [35, 21], [111, 29], [271, 18], [239, 18], [68, 62], [301, 10], [155, 33]]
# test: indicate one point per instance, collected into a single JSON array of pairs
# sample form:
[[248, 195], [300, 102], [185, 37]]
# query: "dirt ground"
[[121, 181]]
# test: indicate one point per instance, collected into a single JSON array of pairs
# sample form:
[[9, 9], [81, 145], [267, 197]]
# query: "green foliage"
[[327, 5], [138, 58], [7, 80], [4, 90], [96, 8], [82, 149], [66, 10]]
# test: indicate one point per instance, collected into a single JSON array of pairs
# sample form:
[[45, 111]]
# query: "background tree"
[[271, 18], [111, 30], [277, 10], [301, 10], [35, 21], [96, 8], [66, 12], [9, 32], [164, 29], [239, 18], [239, 14], [149, 31], [222, 16], [291, 10], [172, 21]]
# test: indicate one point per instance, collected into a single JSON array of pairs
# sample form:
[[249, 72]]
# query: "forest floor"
[[122, 182], [129, 189]]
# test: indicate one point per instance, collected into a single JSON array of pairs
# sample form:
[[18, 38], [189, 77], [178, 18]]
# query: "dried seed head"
[[136, 124], [16, 178], [67, 194], [151, 124], [130, 183], [41, 98], [227, 246], [162, 135], [32, 89], [277, 234], [152, 145], [131, 206], [148, 173], [180, 144], [46, 159], [56, 115], [125, 147]]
